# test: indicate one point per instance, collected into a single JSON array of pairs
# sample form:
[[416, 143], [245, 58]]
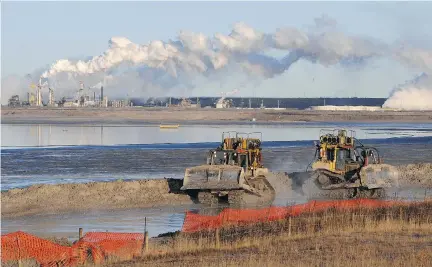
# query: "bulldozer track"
[[208, 198], [235, 197]]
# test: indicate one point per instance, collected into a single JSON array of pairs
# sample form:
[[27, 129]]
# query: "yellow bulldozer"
[[343, 162], [233, 170]]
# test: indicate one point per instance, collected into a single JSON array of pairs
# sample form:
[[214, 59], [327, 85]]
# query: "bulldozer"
[[233, 171], [342, 162]]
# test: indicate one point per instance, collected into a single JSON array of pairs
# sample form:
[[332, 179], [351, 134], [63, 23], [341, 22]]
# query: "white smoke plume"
[[415, 94], [195, 53], [412, 95], [416, 58], [159, 68], [325, 21]]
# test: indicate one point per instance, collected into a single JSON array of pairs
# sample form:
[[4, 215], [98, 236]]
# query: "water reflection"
[[60, 135], [159, 220]]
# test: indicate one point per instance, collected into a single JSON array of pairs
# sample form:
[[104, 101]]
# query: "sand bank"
[[61, 198], [139, 115]]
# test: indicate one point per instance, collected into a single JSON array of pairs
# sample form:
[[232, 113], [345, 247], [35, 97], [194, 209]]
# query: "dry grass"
[[397, 236], [388, 248]]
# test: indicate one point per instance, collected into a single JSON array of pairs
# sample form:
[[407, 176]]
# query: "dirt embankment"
[[61, 198], [158, 115], [415, 174]]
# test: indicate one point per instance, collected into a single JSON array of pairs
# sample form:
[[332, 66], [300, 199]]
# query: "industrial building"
[[120, 103], [94, 97], [184, 103], [255, 102]]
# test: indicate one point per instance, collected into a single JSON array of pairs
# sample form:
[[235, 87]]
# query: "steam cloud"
[[196, 54], [417, 93], [160, 68]]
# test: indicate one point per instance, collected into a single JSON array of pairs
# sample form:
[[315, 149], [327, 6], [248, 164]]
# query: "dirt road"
[[158, 115]]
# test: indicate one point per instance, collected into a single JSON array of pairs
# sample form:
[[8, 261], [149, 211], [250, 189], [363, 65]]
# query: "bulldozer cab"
[[232, 169], [342, 154], [238, 149], [336, 151], [343, 162], [223, 157]]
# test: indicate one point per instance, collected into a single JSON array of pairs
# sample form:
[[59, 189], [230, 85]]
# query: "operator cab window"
[[344, 154], [330, 154]]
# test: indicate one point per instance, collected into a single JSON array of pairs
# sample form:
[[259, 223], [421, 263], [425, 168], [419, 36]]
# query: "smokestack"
[[94, 96], [102, 93]]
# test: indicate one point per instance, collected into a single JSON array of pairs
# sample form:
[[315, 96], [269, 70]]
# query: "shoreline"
[[79, 197], [144, 193], [156, 116]]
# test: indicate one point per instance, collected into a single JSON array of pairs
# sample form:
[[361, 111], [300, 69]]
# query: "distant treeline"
[[298, 103]]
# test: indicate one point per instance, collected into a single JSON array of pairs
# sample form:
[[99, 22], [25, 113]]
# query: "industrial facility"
[[94, 97], [89, 97]]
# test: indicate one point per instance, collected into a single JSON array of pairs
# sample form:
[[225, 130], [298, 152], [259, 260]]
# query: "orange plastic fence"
[[121, 245], [21, 246], [101, 245], [195, 222]]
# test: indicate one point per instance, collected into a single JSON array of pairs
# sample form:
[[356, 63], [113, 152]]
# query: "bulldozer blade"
[[257, 186], [207, 177], [251, 191], [261, 172]]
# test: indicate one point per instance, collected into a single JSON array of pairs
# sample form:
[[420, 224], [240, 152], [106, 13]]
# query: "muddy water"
[[159, 220], [23, 167]]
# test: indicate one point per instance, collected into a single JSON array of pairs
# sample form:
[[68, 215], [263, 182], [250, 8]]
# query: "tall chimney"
[[102, 93]]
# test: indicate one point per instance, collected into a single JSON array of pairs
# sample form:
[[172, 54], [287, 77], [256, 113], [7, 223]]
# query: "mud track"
[[63, 198]]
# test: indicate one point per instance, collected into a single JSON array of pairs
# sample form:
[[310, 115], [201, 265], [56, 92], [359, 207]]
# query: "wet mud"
[[63, 198]]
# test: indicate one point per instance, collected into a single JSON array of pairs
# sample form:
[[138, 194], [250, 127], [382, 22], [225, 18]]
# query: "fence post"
[[80, 233], [146, 242], [289, 226], [146, 239], [217, 238]]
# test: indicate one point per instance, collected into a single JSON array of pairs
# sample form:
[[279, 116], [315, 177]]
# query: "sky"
[[35, 35]]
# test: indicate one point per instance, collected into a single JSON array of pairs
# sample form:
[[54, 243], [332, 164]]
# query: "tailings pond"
[[34, 154]]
